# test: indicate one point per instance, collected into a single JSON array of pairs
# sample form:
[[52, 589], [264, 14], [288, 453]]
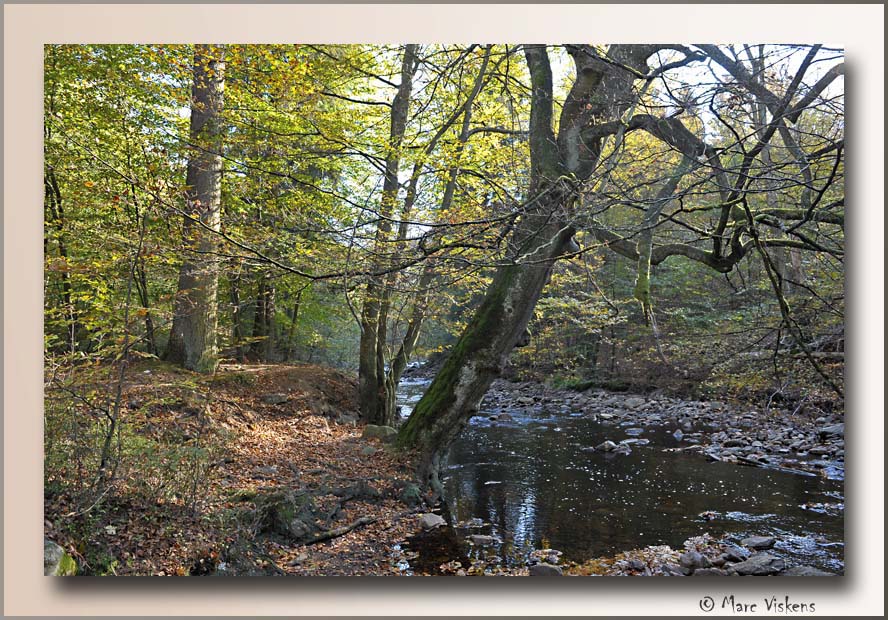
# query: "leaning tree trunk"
[[193, 335], [481, 352], [602, 91]]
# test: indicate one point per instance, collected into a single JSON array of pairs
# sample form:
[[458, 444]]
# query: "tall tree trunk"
[[193, 335], [141, 273], [291, 332], [53, 195], [371, 365], [603, 90], [145, 300], [237, 327], [270, 343], [399, 362], [408, 342], [258, 333], [263, 344]]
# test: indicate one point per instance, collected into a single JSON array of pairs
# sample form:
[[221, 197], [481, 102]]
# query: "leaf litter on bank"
[[286, 446]]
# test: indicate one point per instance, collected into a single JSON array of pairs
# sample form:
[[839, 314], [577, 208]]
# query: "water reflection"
[[532, 481]]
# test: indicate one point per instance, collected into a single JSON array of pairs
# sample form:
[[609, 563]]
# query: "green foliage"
[[307, 128]]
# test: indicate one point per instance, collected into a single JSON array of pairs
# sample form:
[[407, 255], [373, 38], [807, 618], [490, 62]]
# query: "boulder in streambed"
[[709, 572], [733, 553], [544, 570], [834, 430], [430, 521], [758, 542], [606, 446], [693, 560], [759, 565], [636, 442], [735, 443]]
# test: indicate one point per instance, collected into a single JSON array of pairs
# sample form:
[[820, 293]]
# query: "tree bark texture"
[[193, 335]]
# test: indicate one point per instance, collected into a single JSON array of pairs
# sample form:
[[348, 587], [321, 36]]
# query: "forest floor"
[[272, 429], [269, 438]]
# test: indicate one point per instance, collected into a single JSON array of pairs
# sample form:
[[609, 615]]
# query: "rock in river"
[[760, 564], [735, 443], [758, 542], [694, 560], [735, 554], [835, 430], [606, 446], [709, 572], [544, 570]]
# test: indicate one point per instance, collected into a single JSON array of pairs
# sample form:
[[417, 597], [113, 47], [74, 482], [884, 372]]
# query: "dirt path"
[[267, 429]]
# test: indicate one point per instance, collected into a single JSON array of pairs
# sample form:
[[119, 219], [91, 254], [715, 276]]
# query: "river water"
[[532, 485]]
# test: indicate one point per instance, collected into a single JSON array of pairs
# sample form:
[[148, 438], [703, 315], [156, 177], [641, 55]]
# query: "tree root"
[[340, 531]]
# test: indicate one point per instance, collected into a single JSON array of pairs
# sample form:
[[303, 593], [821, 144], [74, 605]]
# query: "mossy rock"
[[372, 431], [56, 561], [286, 513], [411, 495]]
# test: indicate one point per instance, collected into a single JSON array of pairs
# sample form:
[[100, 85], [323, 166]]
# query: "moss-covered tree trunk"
[[481, 352], [602, 91], [193, 334]]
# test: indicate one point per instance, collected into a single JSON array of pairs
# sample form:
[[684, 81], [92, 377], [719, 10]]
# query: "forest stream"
[[529, 479]]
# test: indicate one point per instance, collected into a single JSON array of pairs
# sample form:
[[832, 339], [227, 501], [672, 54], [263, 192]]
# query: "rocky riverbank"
[[801, 441], [700, 556]]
